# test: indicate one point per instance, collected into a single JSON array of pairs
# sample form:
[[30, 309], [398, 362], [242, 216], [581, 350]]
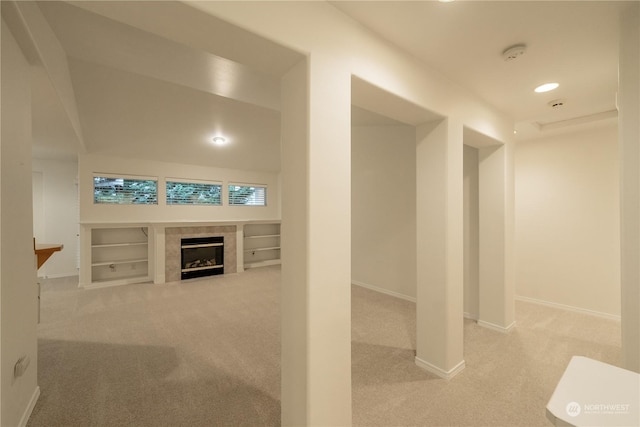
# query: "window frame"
[[192, 181], [248, 185], [124, 177]]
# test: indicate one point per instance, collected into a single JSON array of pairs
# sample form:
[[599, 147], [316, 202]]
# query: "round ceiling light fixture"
[[514, 52], [546, 87], [219, 140]]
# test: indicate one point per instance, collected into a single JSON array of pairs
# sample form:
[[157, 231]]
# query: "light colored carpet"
[[205, 352], [201, 352], [508, 378]]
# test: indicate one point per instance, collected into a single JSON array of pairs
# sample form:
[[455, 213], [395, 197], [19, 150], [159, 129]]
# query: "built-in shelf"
[[126, 261], [261, 244], [114, 245], [119, 255], [274, 248]]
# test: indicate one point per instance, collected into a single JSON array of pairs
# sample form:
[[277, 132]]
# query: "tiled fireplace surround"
[[174, 235]]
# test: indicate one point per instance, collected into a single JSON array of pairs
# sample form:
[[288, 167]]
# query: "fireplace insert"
[[202, 256]]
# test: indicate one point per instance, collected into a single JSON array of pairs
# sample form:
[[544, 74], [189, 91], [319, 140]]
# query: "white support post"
[[316, 245], [496, 283], [439, 308]]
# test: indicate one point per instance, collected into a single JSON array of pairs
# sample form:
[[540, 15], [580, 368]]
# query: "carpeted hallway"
[[206, 352]]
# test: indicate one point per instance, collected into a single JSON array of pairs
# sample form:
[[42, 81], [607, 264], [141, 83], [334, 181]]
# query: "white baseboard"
[[58, 276], [447, 375], [383, 291], [569, 308], [470, 316], [118, 282], [498, 328], [264, 263], [30, 406]]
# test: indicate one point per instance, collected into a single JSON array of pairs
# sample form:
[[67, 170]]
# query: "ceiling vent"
[[513, 52], [556, 103]]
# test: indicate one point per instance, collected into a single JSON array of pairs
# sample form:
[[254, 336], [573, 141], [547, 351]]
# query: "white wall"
[[383, 208], [37, 185], [347, 50], [567, 220], [56, 214], [95, 163], [303, 26], [629, 111], [18, 296], [471, 232]]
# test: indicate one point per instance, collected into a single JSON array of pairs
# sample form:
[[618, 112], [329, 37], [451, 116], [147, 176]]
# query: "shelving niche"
[[261, 244], [119, 255]]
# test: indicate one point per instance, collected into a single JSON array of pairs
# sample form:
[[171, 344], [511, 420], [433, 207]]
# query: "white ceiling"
[[54, 137], [160, 91], [157, 79], [574, 43]]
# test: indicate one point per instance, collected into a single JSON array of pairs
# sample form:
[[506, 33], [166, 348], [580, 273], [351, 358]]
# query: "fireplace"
[[202, 256]]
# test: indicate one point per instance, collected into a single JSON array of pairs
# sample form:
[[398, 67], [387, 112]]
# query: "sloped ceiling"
[[54, 137], [159, 79], [138, 116], [141, 94]]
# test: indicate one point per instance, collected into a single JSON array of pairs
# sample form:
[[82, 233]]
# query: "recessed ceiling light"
[[446, 1], [219, 140], [546, 87]]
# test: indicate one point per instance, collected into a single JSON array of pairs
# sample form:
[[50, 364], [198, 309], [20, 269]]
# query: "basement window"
[[247, 195], [117, 190], [189, 192]]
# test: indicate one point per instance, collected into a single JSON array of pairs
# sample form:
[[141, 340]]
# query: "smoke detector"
[[514, 52], [556, 103]]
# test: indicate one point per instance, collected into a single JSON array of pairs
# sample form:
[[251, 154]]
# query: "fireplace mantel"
[[177, 223]]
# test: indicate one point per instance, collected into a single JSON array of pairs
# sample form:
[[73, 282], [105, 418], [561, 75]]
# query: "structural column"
[[629, 136], [316, 245], [496, 204], [439, 202]]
